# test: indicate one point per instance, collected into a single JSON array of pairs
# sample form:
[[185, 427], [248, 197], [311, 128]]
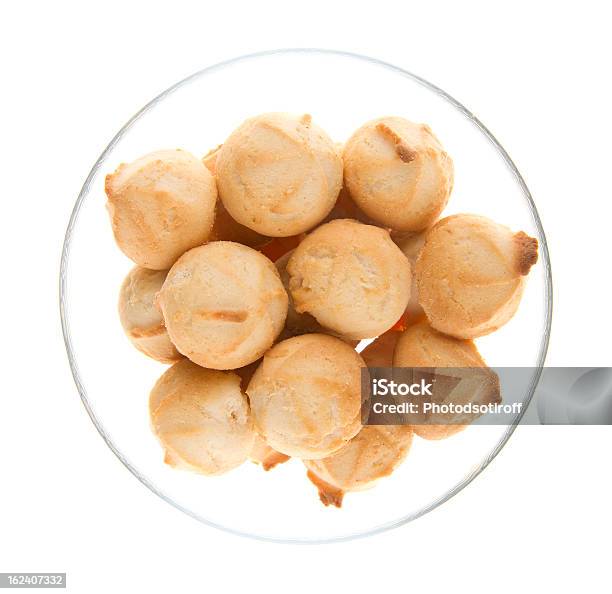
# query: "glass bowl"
[[341, 91]]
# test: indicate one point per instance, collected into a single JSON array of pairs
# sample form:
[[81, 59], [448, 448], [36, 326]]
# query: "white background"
[[537, 74]]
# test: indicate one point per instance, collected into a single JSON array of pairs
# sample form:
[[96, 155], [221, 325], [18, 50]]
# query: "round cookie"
[[398, 173], [471, 274], [375, 452], [223, 304], [202, 419], [351, 277], [306, 395], [140, 317], [279, 174], [160, 206], [421, 346]]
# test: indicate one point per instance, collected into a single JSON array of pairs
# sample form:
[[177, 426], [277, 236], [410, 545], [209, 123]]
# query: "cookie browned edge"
[[527, 252]]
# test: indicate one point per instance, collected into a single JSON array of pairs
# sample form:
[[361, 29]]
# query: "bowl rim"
[[544, 254]]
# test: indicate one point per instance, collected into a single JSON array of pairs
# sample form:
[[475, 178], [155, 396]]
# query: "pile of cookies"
[[261, 266]]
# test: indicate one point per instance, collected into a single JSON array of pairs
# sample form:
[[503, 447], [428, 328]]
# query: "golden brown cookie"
[[202, 419], [351, 277], [397, 172], [223, 304], [375, 452], [279, 174], [306, 395], [160, 206], [471, 273]]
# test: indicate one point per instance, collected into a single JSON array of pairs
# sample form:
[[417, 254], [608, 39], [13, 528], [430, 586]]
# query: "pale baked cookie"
[[201, 418], [223, 304], [225, 228], [471, 273], [351, 277], [160, 206], [421, 346], [140, 317], [398, 173], [279, 174], [375, 452], [306, 395]]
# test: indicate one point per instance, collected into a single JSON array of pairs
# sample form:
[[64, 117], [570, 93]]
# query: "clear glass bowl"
[[341, 91]]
